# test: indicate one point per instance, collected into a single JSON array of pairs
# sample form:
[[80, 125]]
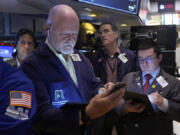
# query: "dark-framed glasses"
[[146, 60]]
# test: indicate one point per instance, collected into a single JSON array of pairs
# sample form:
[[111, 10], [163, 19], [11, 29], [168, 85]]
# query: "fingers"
[[109, 85], [106, 89], [114, 98], [156, 98], [106, 92], [116, 101], [140, 109], [116, 94], [104, 102], [101, 90], [129, 101]]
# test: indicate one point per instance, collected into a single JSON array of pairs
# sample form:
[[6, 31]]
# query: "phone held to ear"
[[117, 86]]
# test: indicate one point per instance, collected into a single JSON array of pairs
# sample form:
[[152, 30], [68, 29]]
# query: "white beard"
[[66, 52]]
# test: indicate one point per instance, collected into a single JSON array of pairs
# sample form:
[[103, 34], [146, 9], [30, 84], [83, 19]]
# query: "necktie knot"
[[148, 76]]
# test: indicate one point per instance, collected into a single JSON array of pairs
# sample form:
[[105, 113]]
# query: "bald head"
[[63, 25], [59, 12]]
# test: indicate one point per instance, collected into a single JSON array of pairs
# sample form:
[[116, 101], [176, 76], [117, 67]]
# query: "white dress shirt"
[[68, 64]]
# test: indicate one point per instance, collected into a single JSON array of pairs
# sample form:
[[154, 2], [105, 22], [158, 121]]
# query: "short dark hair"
[[114, 27], [24, 31], [145, 43]]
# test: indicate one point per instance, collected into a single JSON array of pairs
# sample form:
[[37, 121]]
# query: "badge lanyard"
[[114, 65]]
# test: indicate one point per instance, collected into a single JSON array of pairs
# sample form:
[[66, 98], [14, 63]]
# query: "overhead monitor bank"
[[35, 22], [127, 6]]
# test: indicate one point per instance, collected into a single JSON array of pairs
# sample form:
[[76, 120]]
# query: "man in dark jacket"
[[163, 91], [111, 64], [63, 75]]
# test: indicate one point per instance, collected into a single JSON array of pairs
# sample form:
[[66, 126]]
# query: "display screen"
[[164, 7], [6, 51], [128, 6]]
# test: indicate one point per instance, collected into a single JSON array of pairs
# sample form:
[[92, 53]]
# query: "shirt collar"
[[116, 52], [17, 61], [59, 55], [153, 74]]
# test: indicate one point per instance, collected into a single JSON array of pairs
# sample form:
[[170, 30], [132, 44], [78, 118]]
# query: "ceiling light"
[[89, 28], [123, 25], [92, 15]]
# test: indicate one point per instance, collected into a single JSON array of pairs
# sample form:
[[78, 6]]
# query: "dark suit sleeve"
[[174, 100], [95, 81]]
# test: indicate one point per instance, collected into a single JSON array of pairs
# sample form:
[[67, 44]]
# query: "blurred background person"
[[112, 63], [26, 43]]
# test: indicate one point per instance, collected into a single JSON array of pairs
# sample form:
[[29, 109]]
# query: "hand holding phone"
[[117, 86]]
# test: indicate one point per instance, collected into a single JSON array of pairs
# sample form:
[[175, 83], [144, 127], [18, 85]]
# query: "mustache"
[[69, 43]]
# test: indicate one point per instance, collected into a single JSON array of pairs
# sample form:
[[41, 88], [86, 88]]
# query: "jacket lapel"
[[138, 82], [52, 59], [155, 86], [77, 70]]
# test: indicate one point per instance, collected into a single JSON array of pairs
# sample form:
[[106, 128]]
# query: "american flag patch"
[[20, 98]]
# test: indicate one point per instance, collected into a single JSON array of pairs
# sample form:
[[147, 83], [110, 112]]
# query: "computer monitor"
[[6, 51], [166, 6], [127, 6]]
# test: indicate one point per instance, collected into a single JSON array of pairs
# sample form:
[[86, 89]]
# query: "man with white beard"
[[63, 75]]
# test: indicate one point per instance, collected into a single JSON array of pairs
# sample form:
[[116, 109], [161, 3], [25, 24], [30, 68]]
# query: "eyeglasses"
[[147, 60]]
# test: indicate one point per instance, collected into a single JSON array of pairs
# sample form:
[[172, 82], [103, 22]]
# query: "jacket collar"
[[154, 85]]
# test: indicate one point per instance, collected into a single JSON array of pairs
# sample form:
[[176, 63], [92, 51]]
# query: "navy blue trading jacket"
[[54, 87], [12, 122], [99, 63]]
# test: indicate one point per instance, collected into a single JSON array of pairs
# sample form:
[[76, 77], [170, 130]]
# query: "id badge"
[[76, 57], [122, 58], [162, 81]]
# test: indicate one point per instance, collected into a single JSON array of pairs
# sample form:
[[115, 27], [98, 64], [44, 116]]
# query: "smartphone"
[[117, 86]]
